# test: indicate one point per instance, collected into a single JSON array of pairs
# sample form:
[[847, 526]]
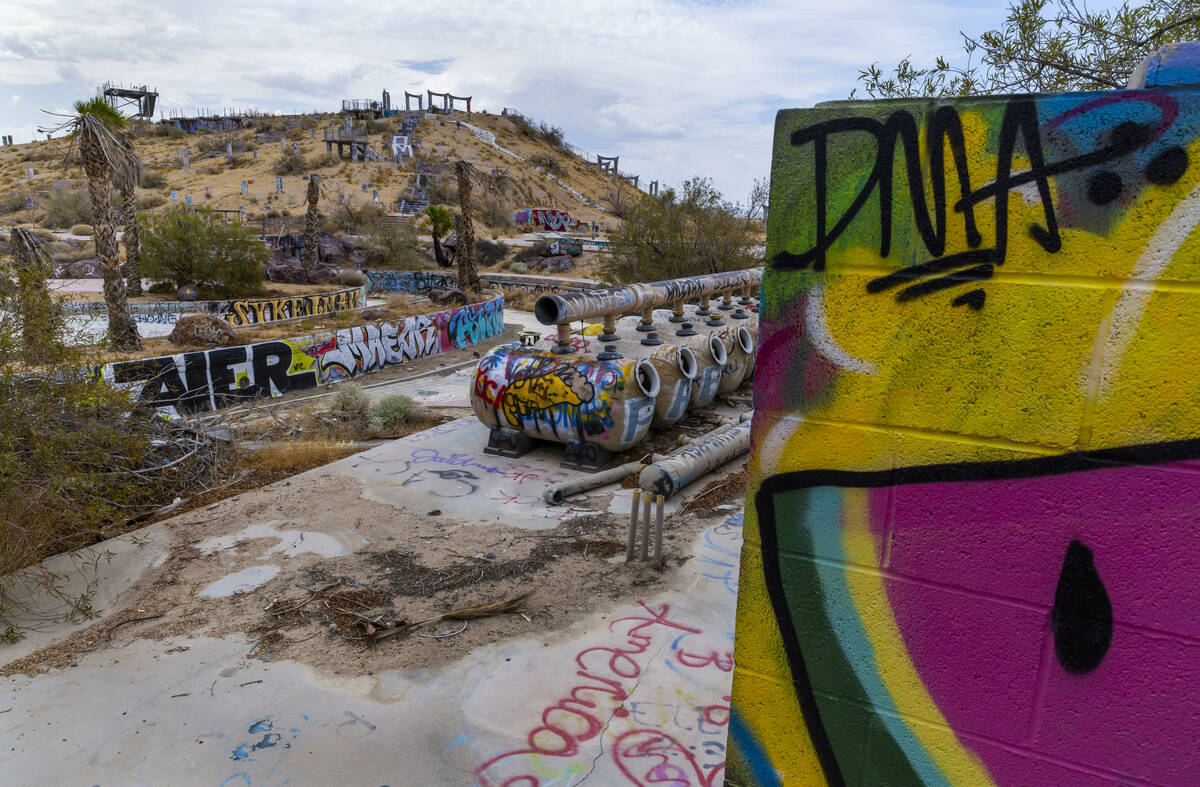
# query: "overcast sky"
[[676, 88]]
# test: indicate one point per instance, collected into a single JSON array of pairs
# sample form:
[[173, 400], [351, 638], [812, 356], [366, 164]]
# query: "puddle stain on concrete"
[[240, 581]]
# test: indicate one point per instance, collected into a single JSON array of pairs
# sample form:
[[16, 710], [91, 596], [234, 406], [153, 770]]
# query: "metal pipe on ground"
[[572, 306], [697, 459], [555, 495]]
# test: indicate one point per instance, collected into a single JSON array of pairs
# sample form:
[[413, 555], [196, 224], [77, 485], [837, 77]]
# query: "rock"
[[321, 275], [331, 249], [284, 273], [372, 314], [352, 241], [358, 258], [186, 294], [448, 295], [85, 269], [451, 240], [205, 330], [562, 262]]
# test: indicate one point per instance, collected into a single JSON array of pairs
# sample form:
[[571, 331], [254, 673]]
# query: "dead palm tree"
[[464, 247], [133, 248], [309, 258], [41, 318], [107, 161], [440, 221]]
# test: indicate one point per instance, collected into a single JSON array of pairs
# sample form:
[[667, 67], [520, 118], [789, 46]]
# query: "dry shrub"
[[288, 457], [79, 462]]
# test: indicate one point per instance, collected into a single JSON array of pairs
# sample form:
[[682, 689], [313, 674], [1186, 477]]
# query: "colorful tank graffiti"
[[974, 468]]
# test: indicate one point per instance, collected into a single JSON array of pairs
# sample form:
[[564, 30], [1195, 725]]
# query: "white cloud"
[[674, 88]]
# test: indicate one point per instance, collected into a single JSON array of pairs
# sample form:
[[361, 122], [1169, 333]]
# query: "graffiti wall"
[[423, 281], [210, 379], [546, 218], [246, 311], [971, 523]]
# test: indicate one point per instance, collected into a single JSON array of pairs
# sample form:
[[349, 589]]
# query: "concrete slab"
[[636, 695], [445, 469]]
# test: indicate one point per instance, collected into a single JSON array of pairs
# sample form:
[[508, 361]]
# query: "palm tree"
[[440, 221], [464, 248], [309, 258], [133, 246], [108, 160]]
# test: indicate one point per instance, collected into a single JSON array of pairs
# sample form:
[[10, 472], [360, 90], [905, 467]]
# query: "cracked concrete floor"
[[635, 693]]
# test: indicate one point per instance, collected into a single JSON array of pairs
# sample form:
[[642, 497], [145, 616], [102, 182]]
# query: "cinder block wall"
[[973, 530]]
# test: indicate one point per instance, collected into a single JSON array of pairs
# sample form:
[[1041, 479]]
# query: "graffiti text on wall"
[[211, 379]]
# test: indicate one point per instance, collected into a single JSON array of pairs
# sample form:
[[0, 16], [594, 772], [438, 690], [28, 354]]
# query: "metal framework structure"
[[447, 101], [140, 99]]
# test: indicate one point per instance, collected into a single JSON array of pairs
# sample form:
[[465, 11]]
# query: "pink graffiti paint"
[[607, 673], [972, 570]]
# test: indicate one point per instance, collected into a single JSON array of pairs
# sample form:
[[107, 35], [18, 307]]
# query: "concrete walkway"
[[633, 693]]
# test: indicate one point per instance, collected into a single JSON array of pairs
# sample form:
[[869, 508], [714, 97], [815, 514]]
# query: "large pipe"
[[670, 475], [555, 495], [572, 306]]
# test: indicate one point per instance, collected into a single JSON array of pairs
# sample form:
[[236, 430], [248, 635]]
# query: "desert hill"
[[542, 172]]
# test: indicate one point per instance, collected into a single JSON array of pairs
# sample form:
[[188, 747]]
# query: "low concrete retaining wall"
[[423, 281], [211, 379], [239, 312]]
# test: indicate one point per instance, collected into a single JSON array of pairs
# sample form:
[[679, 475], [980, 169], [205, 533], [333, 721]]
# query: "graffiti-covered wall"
[[210, 379], [971, 534], [423, 281], [245, 311]]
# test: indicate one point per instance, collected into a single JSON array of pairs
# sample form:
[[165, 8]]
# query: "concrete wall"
[[210, 379], [239, 312], [423, 281], [971, 538]]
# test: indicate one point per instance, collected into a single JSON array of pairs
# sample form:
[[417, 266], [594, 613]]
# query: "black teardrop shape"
[[1082, 614]]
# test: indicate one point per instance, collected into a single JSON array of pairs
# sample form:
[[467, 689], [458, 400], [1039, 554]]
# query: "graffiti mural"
[[423, 281], [409, 281], [973, 474], [249, 311], [544, 395], [210, 379], [547, 219]]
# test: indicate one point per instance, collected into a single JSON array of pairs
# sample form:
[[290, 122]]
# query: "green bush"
[[169, 130], [67, 207], [199, 248], [519, 267], [291, 163], [390, 414], [488, 253], [11, 202], [153, 180], [81, 229], [322, 160], [148, 201], [393, 246], [351, 401]]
